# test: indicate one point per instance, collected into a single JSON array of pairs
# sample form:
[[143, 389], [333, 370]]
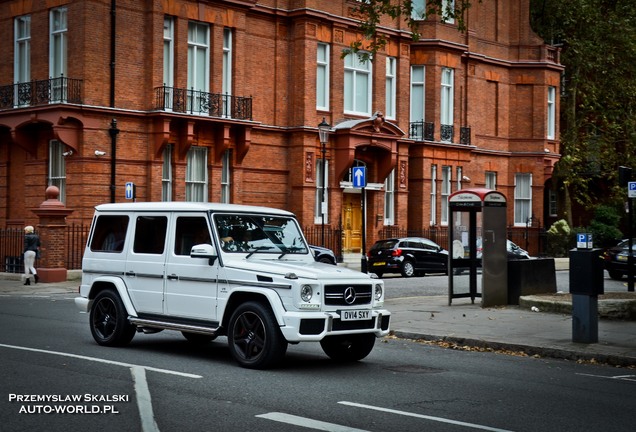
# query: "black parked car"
[[615, 259], [323, 255], [409, 256]]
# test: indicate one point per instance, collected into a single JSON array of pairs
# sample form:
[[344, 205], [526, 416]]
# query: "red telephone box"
[[477, 242]]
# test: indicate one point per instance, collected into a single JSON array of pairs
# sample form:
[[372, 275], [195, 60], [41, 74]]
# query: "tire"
[[348, 348], [109, 320], [254, 337], [614, 274], [379, 274], [326, 260], [198, 338], [407, 269]]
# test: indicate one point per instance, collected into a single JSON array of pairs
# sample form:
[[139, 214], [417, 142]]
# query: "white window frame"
[[358, 81], [168, 60], [447, 177], [447, 96], [226, 177], [449, 5], [57, 167], [322, 76], [389, 199], [551, 126], [418, 96], [391, 88], [58, 53], [491, 180], [319, 205], [198, 62], [196, 180], [523, 198], [227, 72], [166, 174], [433, 195], [418, 10], [22, 53]]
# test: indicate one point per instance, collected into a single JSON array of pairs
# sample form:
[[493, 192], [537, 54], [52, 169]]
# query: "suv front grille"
[[347, 295]]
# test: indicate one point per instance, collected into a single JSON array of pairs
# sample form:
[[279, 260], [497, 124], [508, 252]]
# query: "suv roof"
[[189, 206]]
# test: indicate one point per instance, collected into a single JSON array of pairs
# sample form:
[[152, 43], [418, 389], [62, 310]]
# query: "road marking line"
[[144, 402], [307, 422], [115, 363], [422, 416], [615, 377]]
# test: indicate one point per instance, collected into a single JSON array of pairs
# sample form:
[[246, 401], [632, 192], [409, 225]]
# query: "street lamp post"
[[323, 135]]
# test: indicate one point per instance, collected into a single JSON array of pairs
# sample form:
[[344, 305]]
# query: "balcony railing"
[[41, 92], [203, 103], [425, 131], [422, 131]]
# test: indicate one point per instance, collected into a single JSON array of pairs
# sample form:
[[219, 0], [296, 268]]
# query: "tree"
[[372, 41], [598, 100]]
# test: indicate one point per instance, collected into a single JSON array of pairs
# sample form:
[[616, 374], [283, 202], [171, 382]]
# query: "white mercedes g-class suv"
[[211, 270]]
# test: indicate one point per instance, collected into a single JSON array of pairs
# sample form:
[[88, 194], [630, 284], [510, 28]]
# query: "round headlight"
[[306, 293], [378, 291]]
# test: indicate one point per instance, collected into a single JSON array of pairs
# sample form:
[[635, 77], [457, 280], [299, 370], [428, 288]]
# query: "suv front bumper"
[[315, 326]]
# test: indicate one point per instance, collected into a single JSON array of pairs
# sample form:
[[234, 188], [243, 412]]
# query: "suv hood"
[[303, 269]]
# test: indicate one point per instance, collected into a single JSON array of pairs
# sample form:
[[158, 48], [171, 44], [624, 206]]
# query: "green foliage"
[[560, 239], [604, 226], [373, 10], [598, 95]]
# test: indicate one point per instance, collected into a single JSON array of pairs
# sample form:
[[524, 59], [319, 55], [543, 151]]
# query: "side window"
[[150, 234], [190, 231], [110, 233]]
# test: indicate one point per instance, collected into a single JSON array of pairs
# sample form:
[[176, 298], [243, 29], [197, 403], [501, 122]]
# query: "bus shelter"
[[477, 246]]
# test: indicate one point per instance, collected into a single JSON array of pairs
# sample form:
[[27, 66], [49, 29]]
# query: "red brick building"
[[220, 101]]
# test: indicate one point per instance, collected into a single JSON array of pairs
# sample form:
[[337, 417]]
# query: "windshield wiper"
[[258, 249], [290, 249]]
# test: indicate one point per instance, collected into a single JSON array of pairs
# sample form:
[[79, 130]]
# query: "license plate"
[[621, 258], [379, 263], [355, 315]]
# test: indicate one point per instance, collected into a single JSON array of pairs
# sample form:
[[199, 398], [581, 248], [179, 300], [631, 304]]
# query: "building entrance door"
[[352, 221]]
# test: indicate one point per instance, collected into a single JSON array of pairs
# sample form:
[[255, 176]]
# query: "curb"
[[530, 351]]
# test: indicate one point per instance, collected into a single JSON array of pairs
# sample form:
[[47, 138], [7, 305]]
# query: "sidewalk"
[[510, 328]]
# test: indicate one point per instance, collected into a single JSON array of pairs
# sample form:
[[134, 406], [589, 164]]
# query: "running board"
[[139, 322]]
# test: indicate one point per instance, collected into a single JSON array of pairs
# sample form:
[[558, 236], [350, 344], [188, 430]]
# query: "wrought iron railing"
[[464, 135], [41, 92], [192, 101], [422, 131], [447, 133]]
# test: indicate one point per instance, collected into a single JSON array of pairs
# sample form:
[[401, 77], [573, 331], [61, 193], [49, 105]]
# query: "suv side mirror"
[[204, 251]]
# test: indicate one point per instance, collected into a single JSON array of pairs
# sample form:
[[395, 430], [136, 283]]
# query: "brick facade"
[[501, 75]]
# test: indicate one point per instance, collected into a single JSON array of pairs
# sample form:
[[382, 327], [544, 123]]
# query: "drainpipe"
[[113, 131], [113, 6]]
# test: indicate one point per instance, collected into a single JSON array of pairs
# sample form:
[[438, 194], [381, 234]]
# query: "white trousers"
[[29, 261]]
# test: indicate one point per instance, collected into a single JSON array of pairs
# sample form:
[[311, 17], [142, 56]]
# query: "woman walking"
[[31, 247]]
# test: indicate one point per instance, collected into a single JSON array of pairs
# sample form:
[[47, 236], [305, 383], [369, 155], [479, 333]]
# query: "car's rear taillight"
[[396, 252]]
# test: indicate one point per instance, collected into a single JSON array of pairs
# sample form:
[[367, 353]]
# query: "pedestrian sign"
[[631, 190], [359, 177], [130, 190]]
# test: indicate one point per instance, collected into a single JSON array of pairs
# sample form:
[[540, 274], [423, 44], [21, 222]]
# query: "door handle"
[[173, 277], [130, 273]]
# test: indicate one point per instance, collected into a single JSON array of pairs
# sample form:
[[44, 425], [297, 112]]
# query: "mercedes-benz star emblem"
[[349, 295]]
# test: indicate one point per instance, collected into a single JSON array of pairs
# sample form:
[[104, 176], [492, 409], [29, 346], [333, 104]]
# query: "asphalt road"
[[163, 383]]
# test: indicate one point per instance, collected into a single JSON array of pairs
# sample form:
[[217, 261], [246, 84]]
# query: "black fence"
[[332, 236], [12, 248]]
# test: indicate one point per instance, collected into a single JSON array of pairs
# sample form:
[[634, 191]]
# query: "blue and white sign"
[[584, 241], [359, 175], [130, 190], [631, 189]]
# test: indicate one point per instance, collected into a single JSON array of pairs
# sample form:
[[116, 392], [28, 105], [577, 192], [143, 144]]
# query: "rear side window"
[[150, 234], [110, 233]]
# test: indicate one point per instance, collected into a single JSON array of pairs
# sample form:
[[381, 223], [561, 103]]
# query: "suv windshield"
[[259, 233]]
